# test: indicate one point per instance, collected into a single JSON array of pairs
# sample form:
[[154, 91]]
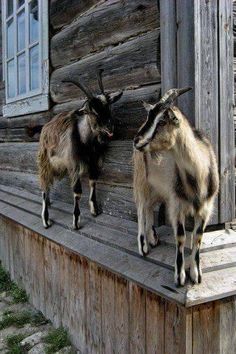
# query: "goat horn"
[[99, 76], [172, 94], [85, 90]]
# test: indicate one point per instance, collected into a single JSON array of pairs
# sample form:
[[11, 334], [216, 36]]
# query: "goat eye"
[[162, 122]]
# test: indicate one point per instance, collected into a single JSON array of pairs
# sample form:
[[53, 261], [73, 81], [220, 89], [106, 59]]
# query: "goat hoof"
[[195, 275], [143, 246], [47, 224], [180, 279], [153, 238]]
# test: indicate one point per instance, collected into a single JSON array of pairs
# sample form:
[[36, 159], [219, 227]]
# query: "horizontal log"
[[114, 200], [117, 168], [88, 33], [131, 64], [128, 113], [23, 128], [63, 12]]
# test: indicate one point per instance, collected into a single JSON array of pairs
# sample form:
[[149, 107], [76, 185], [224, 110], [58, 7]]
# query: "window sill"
[[28, 105]]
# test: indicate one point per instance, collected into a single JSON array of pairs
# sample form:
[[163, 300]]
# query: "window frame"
[[36, 100]]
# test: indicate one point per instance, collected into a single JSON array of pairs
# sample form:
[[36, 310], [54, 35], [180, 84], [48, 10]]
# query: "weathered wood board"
[[110, 300]]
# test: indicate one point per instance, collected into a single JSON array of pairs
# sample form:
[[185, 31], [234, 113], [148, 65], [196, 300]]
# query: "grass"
[[18, 294], [18, 319], [56, 340], [13, 344]]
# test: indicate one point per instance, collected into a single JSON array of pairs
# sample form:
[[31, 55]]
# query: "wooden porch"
[[111, 300]]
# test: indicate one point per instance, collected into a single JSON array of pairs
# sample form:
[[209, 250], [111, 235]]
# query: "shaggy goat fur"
[[174, 164], [75, 142]]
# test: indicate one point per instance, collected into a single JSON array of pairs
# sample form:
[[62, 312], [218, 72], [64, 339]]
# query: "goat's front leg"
[[142, 238], [94, 210], [77, 189], [180, 237], [45, 205], [195, 267], [152, 236]]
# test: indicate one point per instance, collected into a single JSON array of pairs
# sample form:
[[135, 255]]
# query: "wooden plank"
[[94, 329], [226, 102], [88, 32], [137, 300], [155, 306], [185, 50], [205, 329], [227, 310], [168, 44], [206, 74], [138, 57], [178, 329], [108, 313], [215, 285], [121, 315]]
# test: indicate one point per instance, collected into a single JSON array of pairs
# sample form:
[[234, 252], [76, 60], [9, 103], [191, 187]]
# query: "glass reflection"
[[9, 7], [34, 67], [21, 74], [34, 21], [10, 39], [20, 3], [21, 31], [11, 79]]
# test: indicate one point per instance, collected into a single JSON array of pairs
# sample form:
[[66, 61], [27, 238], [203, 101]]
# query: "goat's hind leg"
[[195, 267], [77, 189], [94, 210], [142, 237], [180, 236], [45, 214], [152, 236]]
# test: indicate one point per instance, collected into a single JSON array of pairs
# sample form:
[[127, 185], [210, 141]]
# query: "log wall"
[[122, 37]]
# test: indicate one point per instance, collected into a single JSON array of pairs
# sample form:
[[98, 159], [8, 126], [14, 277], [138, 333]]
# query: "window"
[[25, 56]]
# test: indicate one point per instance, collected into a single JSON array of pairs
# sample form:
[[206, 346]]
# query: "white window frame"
[[37, 100]]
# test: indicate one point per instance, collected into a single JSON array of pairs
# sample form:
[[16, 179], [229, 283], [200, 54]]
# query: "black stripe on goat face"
[[156, 119]]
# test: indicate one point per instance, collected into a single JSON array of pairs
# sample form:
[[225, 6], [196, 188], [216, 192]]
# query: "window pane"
[[34, 21], [20, 3], [34, 67], [11, 79], [10, 39], [9, 7], [21, 31], [21, 74]]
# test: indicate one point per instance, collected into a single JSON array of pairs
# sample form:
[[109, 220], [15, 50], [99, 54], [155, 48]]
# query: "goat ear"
[[115, 96], [148, 106]]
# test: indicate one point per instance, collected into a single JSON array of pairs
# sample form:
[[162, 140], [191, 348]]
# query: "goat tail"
[[44, 169]]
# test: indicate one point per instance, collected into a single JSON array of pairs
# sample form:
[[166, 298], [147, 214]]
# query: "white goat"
[[174, 164]]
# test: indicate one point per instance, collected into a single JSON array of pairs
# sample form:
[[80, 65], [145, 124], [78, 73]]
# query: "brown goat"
[[75, 142]]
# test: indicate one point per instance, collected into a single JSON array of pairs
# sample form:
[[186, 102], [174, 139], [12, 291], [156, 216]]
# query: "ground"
[[23, 329]]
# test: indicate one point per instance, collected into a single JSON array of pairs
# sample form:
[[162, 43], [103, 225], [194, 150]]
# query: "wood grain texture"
[[63, 12], [226, 101], [178, 329], [88, 32], [138, 58]]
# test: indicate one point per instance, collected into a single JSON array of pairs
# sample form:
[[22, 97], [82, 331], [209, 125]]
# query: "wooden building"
[[93, 282]]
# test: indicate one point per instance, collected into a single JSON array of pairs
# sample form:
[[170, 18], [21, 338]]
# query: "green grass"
[[18, 319], [18, 294], [56, 340], [5, 281], [13, 344]]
